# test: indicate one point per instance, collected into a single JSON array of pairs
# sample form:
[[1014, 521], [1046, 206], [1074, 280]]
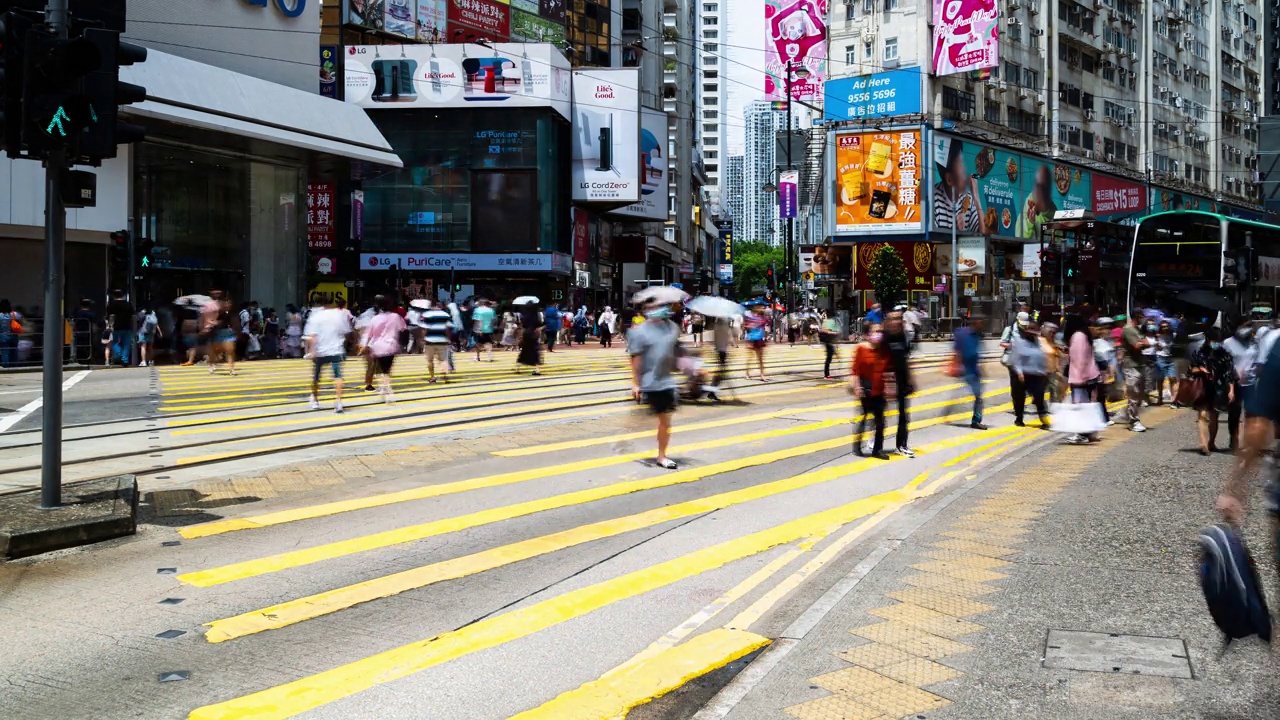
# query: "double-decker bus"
[[1182, 250]]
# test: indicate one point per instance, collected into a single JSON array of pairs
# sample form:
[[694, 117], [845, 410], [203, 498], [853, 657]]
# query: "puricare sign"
[[606, 135], [380, 77], [471, 262]]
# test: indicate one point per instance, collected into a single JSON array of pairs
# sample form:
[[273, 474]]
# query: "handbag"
[[1078, 418], [954, 367], [1191, 391]]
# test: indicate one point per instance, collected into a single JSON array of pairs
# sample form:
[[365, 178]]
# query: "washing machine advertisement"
[[606, 133]]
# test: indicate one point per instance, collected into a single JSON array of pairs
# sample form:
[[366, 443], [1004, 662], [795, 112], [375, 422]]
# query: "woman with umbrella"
[[530, 333], [720, 311]]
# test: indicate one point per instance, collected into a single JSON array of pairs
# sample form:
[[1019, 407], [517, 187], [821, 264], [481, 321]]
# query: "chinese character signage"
[[965, 36], [320, 216], [795, 35], [1113, 196], [329, 71], [788, 193], [491, 20], [874, 96], [917, 258], [878, 182], [521, 262]]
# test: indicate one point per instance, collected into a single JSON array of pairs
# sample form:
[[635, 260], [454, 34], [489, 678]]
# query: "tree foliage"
[[751, 259], [888, 276]]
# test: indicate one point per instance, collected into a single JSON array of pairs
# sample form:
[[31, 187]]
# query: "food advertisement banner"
[[1114, 198], [869, 96], [965, 36], [988, 191], [827, 262], [796, 34], [917, 258], [878, 182]]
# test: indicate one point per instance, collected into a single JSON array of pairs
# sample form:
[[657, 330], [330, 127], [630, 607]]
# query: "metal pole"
[[790, 220], [955, 257], [55, 229]]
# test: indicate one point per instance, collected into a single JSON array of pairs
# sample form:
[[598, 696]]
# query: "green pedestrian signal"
[[146, 261]]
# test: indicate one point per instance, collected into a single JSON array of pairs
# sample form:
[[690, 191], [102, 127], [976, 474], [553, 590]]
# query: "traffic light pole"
[[55, 230]]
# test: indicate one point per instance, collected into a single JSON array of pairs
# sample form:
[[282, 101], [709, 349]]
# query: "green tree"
[[888, 276], [751, 259]]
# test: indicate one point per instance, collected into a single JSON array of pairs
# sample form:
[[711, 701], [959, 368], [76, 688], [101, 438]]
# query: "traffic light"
[[119, 250], [106, 94], [55, 108], [770, 280], [1050, 262], [13, 38], [146, 260]]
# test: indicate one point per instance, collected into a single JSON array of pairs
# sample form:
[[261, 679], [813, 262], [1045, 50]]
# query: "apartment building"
[[733, 190], [713, 94], [759, 219]]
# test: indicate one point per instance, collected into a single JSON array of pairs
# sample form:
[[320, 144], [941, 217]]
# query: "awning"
[[190, 93]]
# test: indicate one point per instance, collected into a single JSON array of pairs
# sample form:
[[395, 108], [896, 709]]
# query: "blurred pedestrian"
[[326, 336], [652, 346], [697, 324], [608, 326], [1244, 358], [382, 342], [1017, 391], [1166, 369], [755, 331], [148, 331], [551, 323], [967, 347], [580, 325], [10, 328], [867, 382], [1082, 368], [435, 340], [292, 332], [120, 317], [482, 319], [1133, 341], [829, 334], [510, 330], [531, 328], [1215, 371], [898, 381], [1031, 364], [1261, 417]]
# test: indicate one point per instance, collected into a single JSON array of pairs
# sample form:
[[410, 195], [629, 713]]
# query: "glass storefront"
[[218, 221], [473, 181]]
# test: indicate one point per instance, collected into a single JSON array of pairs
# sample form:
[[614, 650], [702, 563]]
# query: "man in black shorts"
[[652, 346]]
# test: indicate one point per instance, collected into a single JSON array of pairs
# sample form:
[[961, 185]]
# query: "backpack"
[[1231, 587]]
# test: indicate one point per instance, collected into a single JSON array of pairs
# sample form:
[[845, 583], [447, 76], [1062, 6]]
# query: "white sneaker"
[[315, 404], [142, 364], [906, 452], [1138, 427], [1110, 423], [1078, 440]]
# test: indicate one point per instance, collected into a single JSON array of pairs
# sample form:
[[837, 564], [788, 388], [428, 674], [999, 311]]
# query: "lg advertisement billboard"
[[606, 135], [453, 76], [654, 176]]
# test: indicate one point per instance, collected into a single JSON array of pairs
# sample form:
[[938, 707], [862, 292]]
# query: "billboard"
[[965, 36], [533, 28], [873, 96], [432, 18], [453, 76], [606, 135], [796, 34], [990, 191], [788, 193], [917, 258], [486, 19], [827, 262], [654, 177], [878, 182]]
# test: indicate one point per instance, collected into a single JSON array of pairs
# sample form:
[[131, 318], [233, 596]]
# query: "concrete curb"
[[92, 511]]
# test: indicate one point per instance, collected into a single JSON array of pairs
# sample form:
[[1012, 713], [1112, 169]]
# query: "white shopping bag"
[[1081, 418]]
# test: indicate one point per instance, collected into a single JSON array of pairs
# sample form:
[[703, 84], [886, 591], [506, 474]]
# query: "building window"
[[711, 34], [710, 127], [711, 21], [710, 47], [710, 154], [710, 73], [849, 12], [958, 100], [710, 114], [891, 49], [713, 168], [709, 7], [991, 113], [709, 87], [850, 54], [710, 141], [868, 50]]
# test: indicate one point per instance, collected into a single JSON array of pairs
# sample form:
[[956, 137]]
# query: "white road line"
[[9, 421]]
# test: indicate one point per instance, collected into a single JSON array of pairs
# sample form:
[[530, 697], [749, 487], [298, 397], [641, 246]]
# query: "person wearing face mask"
[[1213, 366], [652, 346], [1166, 369], [897, 343], [1132, 344], [1244, 357], [867, 383], [1031, 364]]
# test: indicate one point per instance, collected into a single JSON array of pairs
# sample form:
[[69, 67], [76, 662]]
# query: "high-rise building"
[[760, 208], [1167, 91], [714, 94], [732, 190]]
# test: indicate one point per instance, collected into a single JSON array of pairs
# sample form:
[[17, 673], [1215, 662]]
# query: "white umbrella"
[[714, 306], [661, 295], [525, 300], [420, 304], [193, 300]]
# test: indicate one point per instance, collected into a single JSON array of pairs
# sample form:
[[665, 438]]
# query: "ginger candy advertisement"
[[878, 182]]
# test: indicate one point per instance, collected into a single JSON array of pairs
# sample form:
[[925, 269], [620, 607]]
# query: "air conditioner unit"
[[1088, 114], [1108, 48], [1039, 98], [1160, 126], [1033, 8], [1111, 157], [966, 117], [1088, 154], [1022, 93], [1177, 133], [1037, 32], [1177, 101], [1002, 87], [1163, 89], [869, 35], [1129, 111], [1201, 138]]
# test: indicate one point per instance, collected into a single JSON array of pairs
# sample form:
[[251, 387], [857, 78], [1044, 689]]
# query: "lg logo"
[[290, 8]]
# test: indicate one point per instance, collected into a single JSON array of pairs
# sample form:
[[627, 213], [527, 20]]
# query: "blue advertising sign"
[[870, 96]]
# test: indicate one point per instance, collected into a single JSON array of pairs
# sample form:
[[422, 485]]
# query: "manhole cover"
[[1119, 654]]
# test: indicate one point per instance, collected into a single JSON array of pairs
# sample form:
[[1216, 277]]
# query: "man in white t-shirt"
[[325, 336]]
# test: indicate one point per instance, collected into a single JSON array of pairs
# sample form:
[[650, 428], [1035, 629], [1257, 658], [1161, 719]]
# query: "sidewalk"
[[952, 620]]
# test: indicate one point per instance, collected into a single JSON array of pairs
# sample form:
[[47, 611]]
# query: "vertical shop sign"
[[320, 216]]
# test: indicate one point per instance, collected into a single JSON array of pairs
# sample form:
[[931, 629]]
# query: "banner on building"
[[973, 255], [795, 36], [606, 135], [329, 71], [788, 193], [965, 36], [480, 19], [654, 175], [827, 262], [917, 259], [874, 96], [878, 182], [320, 216], [529, 27], [381, 77], [470, 262]]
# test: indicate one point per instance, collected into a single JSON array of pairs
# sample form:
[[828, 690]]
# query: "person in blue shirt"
[[968, 343], [551, 325], [1262, 413], [875, 315]]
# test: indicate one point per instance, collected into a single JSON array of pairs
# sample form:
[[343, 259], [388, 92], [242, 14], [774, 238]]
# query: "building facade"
[[759, 221], [732, 193]]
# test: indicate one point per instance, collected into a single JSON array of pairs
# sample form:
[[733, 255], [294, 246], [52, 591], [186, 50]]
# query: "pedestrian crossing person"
[[867, 383], [326, 334], [898, 382], [382, 343], [435, 340], [652, 346]]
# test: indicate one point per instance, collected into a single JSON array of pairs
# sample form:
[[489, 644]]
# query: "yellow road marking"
[[341, 506], [311, 607], [612, 696], [323, 688]]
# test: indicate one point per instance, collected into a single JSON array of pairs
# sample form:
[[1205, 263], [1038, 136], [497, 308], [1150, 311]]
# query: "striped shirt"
[[436, 323], [965, 205]]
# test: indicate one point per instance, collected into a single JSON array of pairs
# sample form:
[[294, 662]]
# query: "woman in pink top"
[[1082, 368], [383, 342]]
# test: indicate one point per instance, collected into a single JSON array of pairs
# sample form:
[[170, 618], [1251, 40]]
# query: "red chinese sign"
[[581, 240], [488, 17], [320, 218], [917, 260], [1113, 195]]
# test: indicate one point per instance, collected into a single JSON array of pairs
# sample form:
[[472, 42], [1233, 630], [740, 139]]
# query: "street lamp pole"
[[801, 72], [955, 223]]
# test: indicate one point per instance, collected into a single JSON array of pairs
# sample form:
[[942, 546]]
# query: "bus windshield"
[[1173, 253]]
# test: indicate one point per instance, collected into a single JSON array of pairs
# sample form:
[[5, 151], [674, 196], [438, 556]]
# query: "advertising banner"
[[368, 14], [514, 262], [788, 193], [606, 135], [973, 255], [329, 71], [553, 10], [532, 28], [1268, 274], [381, 77], [965, 36], [726, 272], [878, 184], [432, 18], [796, 35], [489, 19], [1030, 265], [1114, 197], [827, 262], [401, 18], [654, 178], [320, 208], [873, 96], [1011, 195], [917, 258]]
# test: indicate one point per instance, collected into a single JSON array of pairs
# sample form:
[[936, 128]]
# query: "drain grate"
[[1117, 654]]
